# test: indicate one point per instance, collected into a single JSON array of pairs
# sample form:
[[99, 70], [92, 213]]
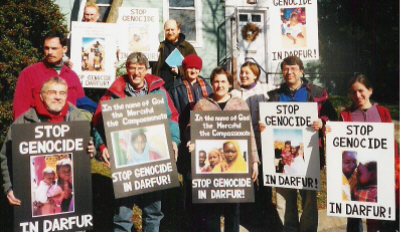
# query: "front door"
[[252, 39]]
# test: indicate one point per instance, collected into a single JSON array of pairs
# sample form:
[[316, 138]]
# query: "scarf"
[[250, 86], [41, 110], [189, 90]]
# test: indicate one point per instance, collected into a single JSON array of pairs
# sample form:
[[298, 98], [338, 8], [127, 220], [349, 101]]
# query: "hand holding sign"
[[12, 199], [105, 157], [255, 172], [317, 124], [175, 70], [175, 149]]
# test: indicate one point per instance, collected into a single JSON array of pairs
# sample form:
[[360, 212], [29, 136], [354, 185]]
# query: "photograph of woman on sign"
[[214, 157], [225, 156], [139, 146], [51, 184]]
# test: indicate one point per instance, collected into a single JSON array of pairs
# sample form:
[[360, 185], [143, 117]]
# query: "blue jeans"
[[151, 208]]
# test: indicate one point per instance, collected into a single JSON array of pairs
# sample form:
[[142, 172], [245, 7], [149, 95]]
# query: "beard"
[[55, 108], [172, 38]]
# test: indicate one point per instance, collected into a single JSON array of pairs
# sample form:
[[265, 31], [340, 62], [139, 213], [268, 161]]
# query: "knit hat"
[[192, 61]]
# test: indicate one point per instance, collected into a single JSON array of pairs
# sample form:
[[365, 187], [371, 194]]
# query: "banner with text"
[[93, 53], [363, 155], [140, 145], [51, 176], [221, 161], [290, 145], [138, 32], [293, 30]]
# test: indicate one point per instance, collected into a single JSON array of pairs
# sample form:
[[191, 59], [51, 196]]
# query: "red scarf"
[[189, 90], [41, 110]]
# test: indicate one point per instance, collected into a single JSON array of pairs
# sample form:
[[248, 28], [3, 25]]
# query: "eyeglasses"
[[134, 69], [52, 93], [293, 69]]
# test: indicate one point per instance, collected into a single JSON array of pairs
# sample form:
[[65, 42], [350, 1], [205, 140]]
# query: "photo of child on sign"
[[222, 156], [289, 151], [139, 146], [92, 56], [293, 25], [51, 184], [359, 182]]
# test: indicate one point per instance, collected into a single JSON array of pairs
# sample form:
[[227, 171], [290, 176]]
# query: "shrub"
[[23, 25]]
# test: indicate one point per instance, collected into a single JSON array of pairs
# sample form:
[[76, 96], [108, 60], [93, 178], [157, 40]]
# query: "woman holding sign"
[[363, 110], [221, 100], [185, 93], [253, 92]]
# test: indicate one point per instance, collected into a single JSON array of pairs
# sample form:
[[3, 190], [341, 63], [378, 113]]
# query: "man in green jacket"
[[173, 39], [50, 106]]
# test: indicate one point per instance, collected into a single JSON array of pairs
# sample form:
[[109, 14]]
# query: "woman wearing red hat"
[[185, 93]]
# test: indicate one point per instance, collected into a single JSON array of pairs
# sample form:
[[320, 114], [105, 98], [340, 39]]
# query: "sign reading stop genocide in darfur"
[[93, 53], [51, 176], [290, 145], [293, 30], [362, 154]]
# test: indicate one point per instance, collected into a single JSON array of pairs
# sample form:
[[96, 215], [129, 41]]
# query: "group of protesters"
[[50, 91]]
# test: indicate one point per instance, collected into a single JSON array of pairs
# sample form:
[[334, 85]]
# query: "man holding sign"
[[135, 84], [297, 89], [50, 106]]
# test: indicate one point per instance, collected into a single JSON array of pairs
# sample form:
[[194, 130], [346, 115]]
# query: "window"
[[104, 7], [188, 15]]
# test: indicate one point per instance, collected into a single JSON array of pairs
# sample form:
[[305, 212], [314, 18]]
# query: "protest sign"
[[51, 176], [290, 145], [138, 32], [140, 145], [294, 30], [362, 154], [93, 53], [225, 137]]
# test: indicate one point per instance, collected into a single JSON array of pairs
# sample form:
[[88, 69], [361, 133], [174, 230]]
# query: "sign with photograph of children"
[[290, 145], [138, 32], [93, 53], [140, 145], [294, 30], [222, 157], [55, 187], [363, 155]]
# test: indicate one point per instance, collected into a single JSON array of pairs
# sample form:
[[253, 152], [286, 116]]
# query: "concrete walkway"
[[325, 224]]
